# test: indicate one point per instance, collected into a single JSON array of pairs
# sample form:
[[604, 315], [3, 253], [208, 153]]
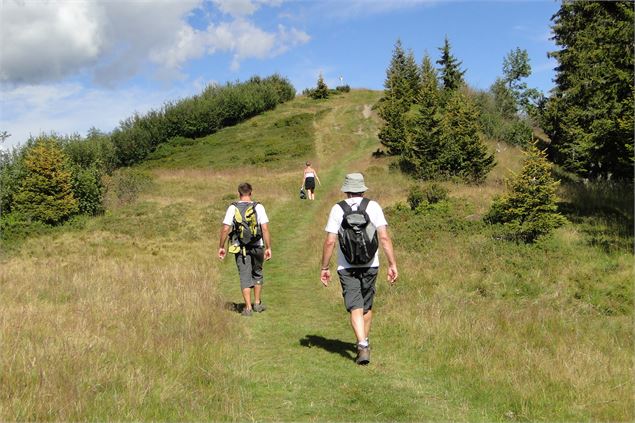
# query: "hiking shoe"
[[259, 308], [246, 312], [363, 355]]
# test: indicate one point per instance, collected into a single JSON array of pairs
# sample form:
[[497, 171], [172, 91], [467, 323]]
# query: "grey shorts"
[[250, 267], [358, 287]]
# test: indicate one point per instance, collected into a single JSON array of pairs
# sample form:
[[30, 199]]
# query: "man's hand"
[[393, 274], [325, 277], [221, 253], [267, 254]]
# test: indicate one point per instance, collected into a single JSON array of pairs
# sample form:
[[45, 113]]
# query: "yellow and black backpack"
[[246, 232]]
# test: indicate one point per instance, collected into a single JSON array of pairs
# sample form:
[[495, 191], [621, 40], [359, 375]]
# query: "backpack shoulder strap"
[[363, 204], [344, 206]]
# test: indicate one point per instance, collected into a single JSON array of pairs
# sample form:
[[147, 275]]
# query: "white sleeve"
[[376, 214], [229, 215], [262, 214], [335, 220]]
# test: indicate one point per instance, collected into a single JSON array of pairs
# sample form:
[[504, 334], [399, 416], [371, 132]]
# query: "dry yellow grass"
[[127, 319]]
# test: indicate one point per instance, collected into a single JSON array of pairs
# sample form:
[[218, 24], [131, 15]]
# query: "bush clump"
[[529, 209], [431, 194]]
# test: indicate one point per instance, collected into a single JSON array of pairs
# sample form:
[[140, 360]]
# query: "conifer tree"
[[46, 193], [589, 116], [451, 73], [423, 146], [412, 75], [321, 90], [463, 152], [529, 208], [397, 99]]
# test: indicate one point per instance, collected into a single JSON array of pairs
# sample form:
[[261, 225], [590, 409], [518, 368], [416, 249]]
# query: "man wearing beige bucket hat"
[[360, 227]]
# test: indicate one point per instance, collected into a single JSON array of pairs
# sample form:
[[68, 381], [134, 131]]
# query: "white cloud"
[[44, 41], [113, 41], [237, 7], [67, 108], [240, 37], [242, 8]]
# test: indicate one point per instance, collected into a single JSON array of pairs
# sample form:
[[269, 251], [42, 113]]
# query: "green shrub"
[[529, 209], [516, 132], [321, 90], [88, 190], [415, 197], [435, 193], [215, 108], [430, 194], [45, 192], [16, 225], [343, 88]]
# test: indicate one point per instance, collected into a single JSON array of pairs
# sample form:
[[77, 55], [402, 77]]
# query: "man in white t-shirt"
[[249, 258], [358, 281]]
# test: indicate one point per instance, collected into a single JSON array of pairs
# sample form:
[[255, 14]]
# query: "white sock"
[[363, 343]]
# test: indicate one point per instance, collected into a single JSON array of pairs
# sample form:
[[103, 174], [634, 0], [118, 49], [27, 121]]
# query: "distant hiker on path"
[[308, 182], [247, 226], [360, 226]]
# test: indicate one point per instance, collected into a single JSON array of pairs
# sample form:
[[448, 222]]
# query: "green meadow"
[[131, 316]]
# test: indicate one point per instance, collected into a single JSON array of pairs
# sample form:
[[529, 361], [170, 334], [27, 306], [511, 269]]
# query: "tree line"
[[52, 177], [435, 124]]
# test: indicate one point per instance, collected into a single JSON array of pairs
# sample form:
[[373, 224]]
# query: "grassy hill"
[[130, 316]]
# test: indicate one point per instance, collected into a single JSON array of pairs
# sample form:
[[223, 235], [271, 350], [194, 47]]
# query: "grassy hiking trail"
[[131, 316]]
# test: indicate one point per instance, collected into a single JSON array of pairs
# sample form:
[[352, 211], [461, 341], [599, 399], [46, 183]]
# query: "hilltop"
[[130, 315]]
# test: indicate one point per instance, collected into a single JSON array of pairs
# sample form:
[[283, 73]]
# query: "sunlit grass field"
[[130, 316]]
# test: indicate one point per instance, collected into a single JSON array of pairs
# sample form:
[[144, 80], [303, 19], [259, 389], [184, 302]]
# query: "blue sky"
[[68, 66]]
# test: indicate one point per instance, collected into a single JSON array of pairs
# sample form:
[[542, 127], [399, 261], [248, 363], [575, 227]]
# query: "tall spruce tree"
[[412, 74], [463, 151], [397, 100], [46, 191], [589, 116], [420, 157], [451, 73]]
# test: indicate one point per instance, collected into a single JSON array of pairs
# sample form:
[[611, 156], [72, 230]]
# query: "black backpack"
[[357, 234]]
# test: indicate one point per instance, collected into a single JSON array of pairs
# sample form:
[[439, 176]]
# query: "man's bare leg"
[[368, 318], [357, 321], [247, 298]]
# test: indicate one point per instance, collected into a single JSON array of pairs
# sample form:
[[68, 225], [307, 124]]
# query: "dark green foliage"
[[423, 142], [451, 73], [463, 152], [88, 189], [45, 192], [11, 172], [412, 75], [415, 197], [343, 88], [321, 90], [504, 99], [430, 194], [399, 95], [215, 108], [529, 208], [95, 150], [589, 116], [435, 193]]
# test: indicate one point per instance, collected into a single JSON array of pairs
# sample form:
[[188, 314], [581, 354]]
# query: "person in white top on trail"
[[250, 241], [360, 226], [308, 181]]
